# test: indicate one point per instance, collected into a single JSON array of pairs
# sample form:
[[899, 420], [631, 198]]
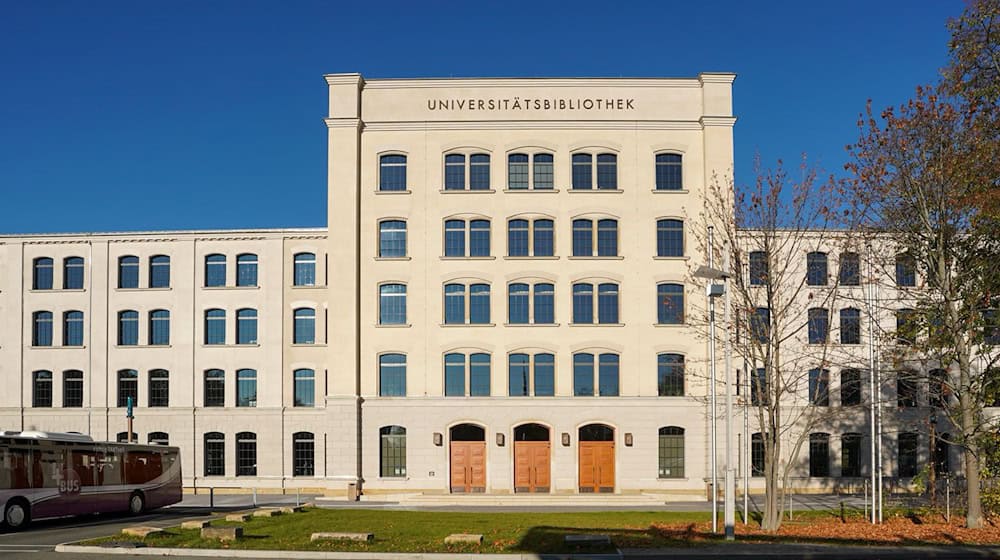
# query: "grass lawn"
[[423, 531]]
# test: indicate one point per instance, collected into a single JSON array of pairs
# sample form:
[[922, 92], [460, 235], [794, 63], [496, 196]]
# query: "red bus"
[[53, 475]]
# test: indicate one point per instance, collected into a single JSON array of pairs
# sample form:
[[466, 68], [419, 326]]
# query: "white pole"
[[747, 443], [713, 448], [872, 386], [729, 508]]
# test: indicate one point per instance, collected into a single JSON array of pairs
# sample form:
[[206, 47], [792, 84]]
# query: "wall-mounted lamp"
[[500, 439], [438, 439], [565, 439], [628, 439]]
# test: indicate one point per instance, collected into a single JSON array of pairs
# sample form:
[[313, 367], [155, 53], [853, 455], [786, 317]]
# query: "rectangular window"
[[246, 270], [669, 238], [518, 375], [583, 375], [454, 238], [517, 238], [906, 271], [41, 328], [670, 304], [246, 388], [583, 303], [215, 326], [543, 172], [850, 326], [816, 269], [671, 452], [305, 268], [850, 269], [545, 375], [159, 388], [73, 273], [246, 454], [128, 328], [819, 455], [41, 278], [544, 297], [246, 326], [758, 268], [128, 388], [608, 375], [907, 454], [607, 171], [479, 304], [607, 238], [215, 454], [668, 172], [850, 455], [819, 320], [215, 271], [583, 238], [517, 171], [819, 387], [215, 388], [479, 238], [159, 327], [392, 173], [454, 375], [303, 454], [454, 172], [128, 272], [159, 271], [392, 375], [850, 387], [73, 328], [607, 304], [305, 387], [392, 239], [72, 389], [479, 172], [42, 389], [392, 452], [454, 304], [479, 375], [582, 172], [304, 326], [670, 375], [543, 238], [517, 304]]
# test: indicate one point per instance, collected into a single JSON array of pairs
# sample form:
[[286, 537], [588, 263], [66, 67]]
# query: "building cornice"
[[342, 123], [717, 121], [347, 78], [717, 77], [160, 236], [452, 83]]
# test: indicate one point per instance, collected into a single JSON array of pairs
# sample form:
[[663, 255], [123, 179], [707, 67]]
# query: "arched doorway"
[[597, 458], [532, 458], [468, 458]]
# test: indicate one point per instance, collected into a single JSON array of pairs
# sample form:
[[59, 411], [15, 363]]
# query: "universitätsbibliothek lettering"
[[518, 104]]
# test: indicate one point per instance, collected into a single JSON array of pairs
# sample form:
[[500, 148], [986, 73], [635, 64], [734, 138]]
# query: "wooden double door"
[[597, 467], [532, 466], [468, 466]]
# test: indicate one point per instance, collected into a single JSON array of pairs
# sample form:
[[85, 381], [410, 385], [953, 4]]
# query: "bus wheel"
[[17, 514], [136, 503]]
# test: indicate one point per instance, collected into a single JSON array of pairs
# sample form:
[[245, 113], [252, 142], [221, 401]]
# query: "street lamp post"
[[712, 291]]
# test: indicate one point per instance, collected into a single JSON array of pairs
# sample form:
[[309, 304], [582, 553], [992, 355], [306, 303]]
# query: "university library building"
[[503, 302]]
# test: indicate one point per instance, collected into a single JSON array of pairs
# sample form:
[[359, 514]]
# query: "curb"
[[230, 553]]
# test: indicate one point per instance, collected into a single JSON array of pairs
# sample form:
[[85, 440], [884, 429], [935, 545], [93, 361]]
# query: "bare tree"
[[779, 233]]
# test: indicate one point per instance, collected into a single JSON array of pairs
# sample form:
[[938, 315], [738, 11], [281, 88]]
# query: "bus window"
[[109, 471], [142, 466], [85, 465], [14, 468], [46, 468]]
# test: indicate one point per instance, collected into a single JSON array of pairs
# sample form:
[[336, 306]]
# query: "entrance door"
[[468, 459], [532, 458], [597, 459]]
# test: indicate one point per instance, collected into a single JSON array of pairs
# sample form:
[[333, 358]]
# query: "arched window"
[[392, 173], [128, 272], [459, 297], [454, 172], [392, 239], [392, 304], [304, 389], [159, 388], [246, 454], [73, 273], [816, 269], [760, 324], [669, 238], [583, 375], [304, 273], [530, 238], [128, 387], [906, 326], [607, 171], [41, 394], [819, 454], [41, 274], [72, 388], [128, 328], [583, 173], [215, 271], [304, 326], [757, 455], [531, 375], [906, 389], [517, 171], [392, 451], [215, 326], [606, 233], [670, 375], [246, 269], [669, 176], [850, 326], [303, 454], [850, 269], [159, 271], [819, 325], [524, 308], [246, 387], [607, 303], [159, 327], [246, 326], [215, 454], [671, 452], [670, 304], [122, 437], [158, 438], [392, 375], [938, 389], [41, 328], [477, 378], [73, 328]]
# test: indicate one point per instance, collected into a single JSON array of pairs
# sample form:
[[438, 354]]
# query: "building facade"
[[503, 302]]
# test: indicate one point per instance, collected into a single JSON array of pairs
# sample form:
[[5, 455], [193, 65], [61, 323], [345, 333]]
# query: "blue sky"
[[118, 116]]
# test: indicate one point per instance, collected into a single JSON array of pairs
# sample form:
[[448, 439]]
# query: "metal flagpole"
[[869, 296], [729, 507], [713, 449], [747, 444]]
